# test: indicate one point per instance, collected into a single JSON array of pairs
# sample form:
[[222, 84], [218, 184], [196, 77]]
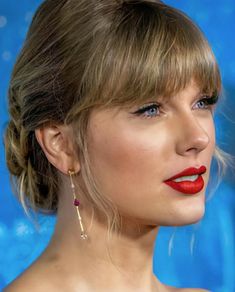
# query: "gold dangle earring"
[[76, 203]]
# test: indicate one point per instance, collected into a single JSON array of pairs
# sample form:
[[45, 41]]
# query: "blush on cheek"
[[121, 152], [125, 167]]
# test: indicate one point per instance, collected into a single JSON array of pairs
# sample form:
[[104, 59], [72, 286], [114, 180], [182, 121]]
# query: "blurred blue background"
[[201, 255]]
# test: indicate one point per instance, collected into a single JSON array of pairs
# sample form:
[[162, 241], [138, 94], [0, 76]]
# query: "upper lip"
[[189, 171]]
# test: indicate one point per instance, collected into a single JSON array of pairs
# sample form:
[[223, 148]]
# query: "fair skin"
[[131, 157]]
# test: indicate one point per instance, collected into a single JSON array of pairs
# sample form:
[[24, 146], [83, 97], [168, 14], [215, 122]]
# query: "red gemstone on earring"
[[76, 202]]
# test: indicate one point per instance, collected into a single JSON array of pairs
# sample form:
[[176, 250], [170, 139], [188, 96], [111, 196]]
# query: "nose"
[[193, 137]]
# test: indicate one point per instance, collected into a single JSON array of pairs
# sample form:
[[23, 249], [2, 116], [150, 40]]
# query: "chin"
[[183, 218], [190, 215], [185, 213], [191, 209]]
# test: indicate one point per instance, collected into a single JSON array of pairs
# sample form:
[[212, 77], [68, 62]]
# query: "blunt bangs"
[[150, 50]]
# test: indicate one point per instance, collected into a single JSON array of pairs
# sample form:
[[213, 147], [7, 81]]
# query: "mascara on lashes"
[[209, 100]]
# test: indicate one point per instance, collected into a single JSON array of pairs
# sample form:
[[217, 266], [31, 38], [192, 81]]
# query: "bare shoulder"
[[25, 284], [174, 289], [29, 281], [38, 278]]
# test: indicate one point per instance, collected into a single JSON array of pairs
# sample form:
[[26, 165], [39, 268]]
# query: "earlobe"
[[56, 143]]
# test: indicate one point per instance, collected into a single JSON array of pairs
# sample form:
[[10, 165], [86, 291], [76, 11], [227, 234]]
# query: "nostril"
[[191, 143], [192, 149]]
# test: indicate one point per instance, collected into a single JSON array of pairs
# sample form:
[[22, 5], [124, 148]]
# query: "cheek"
[[129, 162]]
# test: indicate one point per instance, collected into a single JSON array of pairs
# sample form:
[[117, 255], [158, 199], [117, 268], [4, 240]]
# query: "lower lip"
[[187, 187]]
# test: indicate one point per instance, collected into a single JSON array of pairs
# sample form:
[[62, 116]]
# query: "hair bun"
[[13, 145]]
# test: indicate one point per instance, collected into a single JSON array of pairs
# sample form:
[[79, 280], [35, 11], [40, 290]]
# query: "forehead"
[[145, 57], [103, 114], [192, 90]]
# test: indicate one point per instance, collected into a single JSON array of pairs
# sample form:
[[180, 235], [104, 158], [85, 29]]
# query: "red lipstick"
[[188, 186]]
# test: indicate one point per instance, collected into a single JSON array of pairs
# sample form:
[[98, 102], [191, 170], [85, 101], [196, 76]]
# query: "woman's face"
[[133, 154]]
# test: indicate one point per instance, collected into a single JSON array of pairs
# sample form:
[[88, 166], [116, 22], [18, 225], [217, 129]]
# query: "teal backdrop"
[[199, 255]]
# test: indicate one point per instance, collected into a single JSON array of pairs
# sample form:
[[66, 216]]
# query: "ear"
[[57, 143]]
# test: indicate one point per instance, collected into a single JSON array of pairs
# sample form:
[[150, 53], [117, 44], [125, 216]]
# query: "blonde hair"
[[81, 54]]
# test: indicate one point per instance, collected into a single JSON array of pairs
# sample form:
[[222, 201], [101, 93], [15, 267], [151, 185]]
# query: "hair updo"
[[79, 54]]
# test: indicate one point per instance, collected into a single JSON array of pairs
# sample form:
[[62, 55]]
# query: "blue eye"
[[153, 110], [207, 102], [149, 111], [201, 104]]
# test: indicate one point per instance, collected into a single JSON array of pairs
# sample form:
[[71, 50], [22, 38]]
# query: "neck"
[[126, 257]]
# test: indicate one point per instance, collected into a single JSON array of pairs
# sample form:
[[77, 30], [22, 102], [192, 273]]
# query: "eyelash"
[[208, 100]]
